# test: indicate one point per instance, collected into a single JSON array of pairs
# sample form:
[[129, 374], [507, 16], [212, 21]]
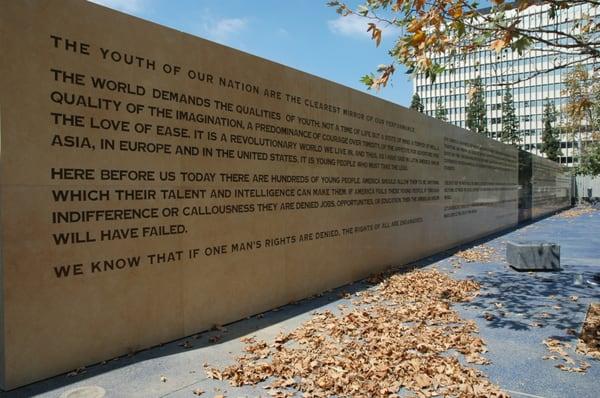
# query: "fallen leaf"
[[77, 371], [481, 254], [186, 344], [577, 212], [589, 339], [402, 332]]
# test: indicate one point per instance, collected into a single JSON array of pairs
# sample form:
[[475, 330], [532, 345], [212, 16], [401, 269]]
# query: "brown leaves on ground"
[[404, 333], [588, 343], [480, 254], [577, 212], [77, 372], [186, 344], [589, 340], [568, 364]]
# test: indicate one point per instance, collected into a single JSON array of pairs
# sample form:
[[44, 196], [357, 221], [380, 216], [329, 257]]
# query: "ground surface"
[[515, 312]]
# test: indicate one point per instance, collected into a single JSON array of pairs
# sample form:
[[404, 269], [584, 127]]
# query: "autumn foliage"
[[455, 28]]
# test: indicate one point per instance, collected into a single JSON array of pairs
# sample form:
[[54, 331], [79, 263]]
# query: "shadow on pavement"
[[522, 301]]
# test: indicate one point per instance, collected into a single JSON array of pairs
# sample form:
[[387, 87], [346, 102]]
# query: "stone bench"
[[533, 256]]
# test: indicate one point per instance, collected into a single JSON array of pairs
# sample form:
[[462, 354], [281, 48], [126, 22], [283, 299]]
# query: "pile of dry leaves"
[[403, 333], [568, 364], [480, 254], [589, 340], [577, 211]]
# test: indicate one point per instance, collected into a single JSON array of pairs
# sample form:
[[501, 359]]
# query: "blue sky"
[[303, 34]]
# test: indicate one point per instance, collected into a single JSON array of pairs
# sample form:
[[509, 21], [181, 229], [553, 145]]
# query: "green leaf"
[[521, 44], [460, 28], [438, 68], [368, 80], [480, 40]]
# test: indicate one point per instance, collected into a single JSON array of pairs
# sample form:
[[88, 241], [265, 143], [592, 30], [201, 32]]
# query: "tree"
[[440, 110], [510, 122], [476, 109], [590, 160], [582, 90], [550, 140], [455, 28], [582, 115], [416, 103]]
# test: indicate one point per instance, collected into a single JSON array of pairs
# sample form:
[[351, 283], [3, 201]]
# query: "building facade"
[[496, 69]]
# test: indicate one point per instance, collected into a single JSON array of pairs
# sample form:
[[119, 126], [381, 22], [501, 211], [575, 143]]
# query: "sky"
[[303, 34]]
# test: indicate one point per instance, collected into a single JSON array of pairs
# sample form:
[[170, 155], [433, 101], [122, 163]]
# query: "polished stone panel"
[[551, 187], [154, 184]]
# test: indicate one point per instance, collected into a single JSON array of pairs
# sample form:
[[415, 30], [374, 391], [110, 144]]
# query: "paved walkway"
[[515, 313]]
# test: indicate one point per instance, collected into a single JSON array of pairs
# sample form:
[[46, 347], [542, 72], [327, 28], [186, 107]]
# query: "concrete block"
[[533, 256]]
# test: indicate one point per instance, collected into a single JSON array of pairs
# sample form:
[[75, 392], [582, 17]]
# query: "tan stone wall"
[[299, 185]]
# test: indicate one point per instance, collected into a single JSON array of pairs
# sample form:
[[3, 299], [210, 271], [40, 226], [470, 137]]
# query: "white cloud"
[[128, 6], [282, 32], [356, 26], [223, 29]]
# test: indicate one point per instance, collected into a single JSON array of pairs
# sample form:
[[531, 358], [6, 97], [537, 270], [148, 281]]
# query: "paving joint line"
[[183, 387], [523, 394]]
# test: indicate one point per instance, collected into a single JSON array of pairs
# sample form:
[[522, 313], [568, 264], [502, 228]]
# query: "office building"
[[529, 96]]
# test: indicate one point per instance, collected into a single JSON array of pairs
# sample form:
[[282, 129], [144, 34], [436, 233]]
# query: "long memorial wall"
[[154, 184], [551, 187]]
